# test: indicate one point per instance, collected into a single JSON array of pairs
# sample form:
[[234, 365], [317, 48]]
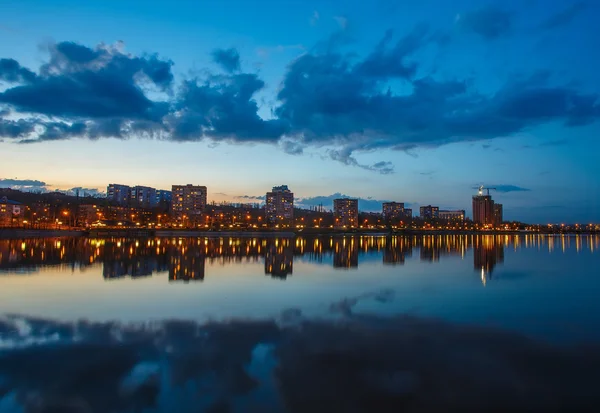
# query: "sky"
[[415, 102]]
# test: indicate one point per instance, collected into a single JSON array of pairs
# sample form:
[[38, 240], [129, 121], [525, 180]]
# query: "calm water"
[[466, 303], [538, 285]]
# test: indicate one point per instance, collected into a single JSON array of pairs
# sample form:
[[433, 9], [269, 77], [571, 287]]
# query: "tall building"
[[393, 211], [408, 213], [163, 197], [188, 202], [9, 210], [458, 215], [345, 213], [143, 197], [498, 214], [279, 206], [121, 194], [483, 209], [429, 212]]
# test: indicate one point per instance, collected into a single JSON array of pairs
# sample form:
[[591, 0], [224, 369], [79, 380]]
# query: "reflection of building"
[[430, 249], [498, 214], [187, 265], [143, 197], [396, 250], [345, 213], [188, 201], [279, 258], [279, 206], [393, 211], [120, 194], [458, 215], [487, 253], [345, 252], [429, 212]]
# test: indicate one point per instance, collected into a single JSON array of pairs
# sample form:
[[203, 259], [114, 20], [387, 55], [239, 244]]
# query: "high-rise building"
[[483, 209], [163, 197], [429, 212], [393, 211], [120, 194], [188, 202], [408, 213], [345, 213], [458, 215], [143, 197], [279, 206], [498, 214]]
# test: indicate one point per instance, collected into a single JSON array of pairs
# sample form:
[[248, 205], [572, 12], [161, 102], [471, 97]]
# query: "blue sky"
[[384, 100]]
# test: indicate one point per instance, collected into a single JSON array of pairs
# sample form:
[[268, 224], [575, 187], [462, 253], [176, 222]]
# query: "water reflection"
[[185, 259]]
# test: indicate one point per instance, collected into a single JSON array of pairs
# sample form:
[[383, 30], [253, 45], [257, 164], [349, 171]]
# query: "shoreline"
[[12, 233]]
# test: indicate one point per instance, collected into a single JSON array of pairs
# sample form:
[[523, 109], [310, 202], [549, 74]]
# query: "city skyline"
[[381, 102]]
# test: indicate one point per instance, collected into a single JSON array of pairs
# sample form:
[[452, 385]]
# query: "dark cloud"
[[390, 62], [257, 197], [17, 129], [11, 71], [564, 17], [99, 83], [228, 59], [11, 183], [505, 188], [364, 204], [223, 108], [340, 101], [489, 22], [292, 148]]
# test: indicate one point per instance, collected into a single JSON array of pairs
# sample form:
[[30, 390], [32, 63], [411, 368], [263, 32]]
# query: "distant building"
[[163, 197], [483, 209], [188, 202], [393, 211], [408, 213], [345, 213], [279, 206], [457, 215], [143, 197], [88, 214], [498, 214], [429, 212], [120, 194], [9, 210]]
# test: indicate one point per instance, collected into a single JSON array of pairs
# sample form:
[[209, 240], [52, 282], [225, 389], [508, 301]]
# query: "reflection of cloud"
[[368, 364]]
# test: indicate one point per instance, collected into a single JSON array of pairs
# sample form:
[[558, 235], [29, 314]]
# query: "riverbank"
[[12, 233]]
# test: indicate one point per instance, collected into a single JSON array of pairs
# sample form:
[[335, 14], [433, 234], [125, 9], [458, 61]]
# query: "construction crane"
[[481, 188]]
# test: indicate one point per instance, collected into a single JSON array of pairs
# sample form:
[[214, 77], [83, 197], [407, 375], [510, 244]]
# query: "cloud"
[[85, 192], [12, 72], [92, 83], [489, 22], [563, 17], [229, 59], [343, 103], [223, 108], [314, 18], [505, 188], [341, 21], [21, 183], [364, 204]]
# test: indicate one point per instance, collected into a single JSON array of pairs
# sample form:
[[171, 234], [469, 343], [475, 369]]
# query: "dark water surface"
[[363, 323]]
